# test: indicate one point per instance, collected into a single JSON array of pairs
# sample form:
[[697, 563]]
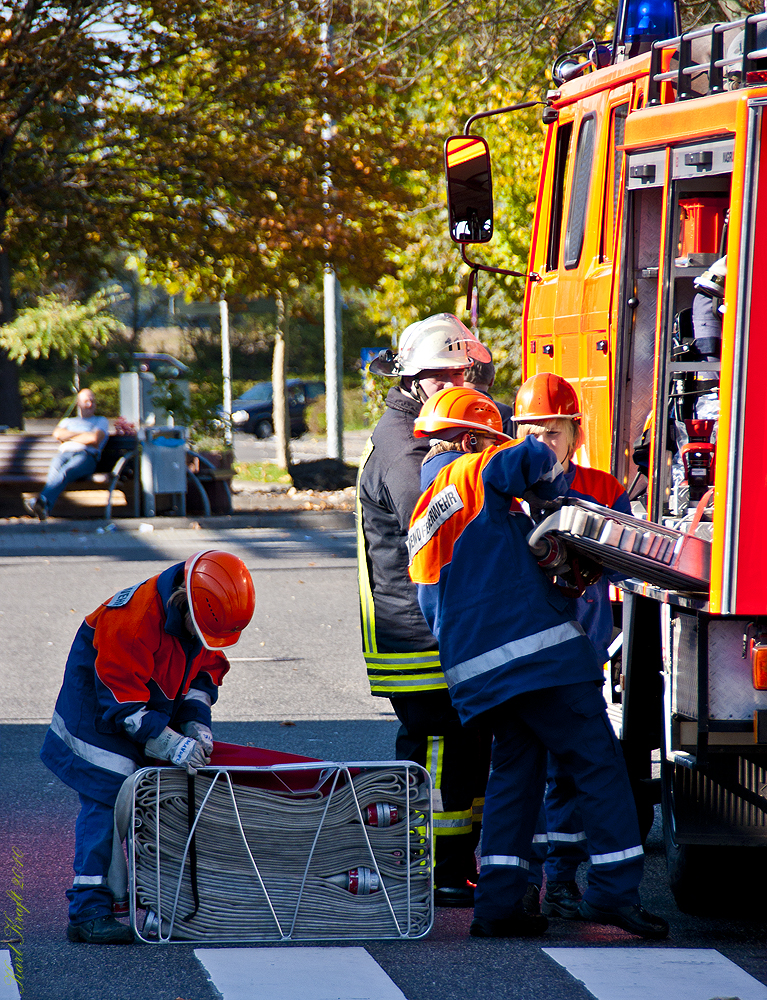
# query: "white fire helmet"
[[440, 341], [711, 282]]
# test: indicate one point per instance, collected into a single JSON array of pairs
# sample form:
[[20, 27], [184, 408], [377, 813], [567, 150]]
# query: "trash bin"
[[163, 467]]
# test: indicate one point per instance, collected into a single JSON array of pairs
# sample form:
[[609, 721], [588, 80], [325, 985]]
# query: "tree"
[[54, 67], [69, 329], [199, 134]]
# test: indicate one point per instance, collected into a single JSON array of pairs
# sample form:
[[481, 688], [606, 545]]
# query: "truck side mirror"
[[469, 189]]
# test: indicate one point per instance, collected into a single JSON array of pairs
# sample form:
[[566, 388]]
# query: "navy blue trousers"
[[90, 895], [559, 844], [571, 723]]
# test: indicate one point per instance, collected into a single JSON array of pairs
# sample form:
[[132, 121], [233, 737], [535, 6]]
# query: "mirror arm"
[[475, 268], [498, 111]]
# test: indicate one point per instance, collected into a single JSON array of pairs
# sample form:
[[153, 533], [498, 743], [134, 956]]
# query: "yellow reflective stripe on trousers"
[[443, 823], [389, 673], [451, 823]]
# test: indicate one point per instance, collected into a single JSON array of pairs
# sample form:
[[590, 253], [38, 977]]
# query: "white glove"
[[200, 732], [179, 750]]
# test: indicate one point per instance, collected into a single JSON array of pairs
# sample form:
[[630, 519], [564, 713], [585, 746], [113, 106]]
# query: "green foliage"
[[44, 397], [39, 398], [55, 324], [107, 393]]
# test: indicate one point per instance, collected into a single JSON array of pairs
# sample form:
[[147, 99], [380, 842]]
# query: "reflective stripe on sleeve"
[[514, 650], [503, 859], [389, 673], [133, 722], [194, 694], [610, 859], [363, 577], [94, 755], [404, 673]]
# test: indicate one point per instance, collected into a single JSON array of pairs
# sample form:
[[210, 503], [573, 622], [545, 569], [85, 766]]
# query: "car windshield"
[[261, 392]]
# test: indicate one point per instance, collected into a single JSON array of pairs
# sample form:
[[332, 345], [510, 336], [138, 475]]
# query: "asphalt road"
[[297, 684]]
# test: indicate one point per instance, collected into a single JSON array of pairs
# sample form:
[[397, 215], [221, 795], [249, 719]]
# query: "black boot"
[[101, 930]]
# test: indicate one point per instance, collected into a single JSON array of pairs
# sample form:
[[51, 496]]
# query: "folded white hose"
[[276, 866]]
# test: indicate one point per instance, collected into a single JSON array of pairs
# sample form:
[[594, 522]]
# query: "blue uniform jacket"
[[503, 627], [132, 670]]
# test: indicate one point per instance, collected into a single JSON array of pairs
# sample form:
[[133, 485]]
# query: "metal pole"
[[333, 366], [333, 340], [226, 370]]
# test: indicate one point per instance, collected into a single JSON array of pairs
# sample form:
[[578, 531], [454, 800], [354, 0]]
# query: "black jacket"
[[388, 489]]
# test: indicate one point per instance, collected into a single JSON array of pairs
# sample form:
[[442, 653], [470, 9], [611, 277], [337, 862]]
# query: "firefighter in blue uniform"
[[547, 406], [517, 660], [140, 679]]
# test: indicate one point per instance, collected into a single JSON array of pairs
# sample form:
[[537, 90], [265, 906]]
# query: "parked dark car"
[[252, 411]]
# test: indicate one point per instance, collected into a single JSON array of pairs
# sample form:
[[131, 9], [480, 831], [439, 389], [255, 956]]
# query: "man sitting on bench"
[[82, 440]]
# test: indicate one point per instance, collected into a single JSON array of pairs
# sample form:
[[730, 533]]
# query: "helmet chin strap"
[[417, 392], [414, 390]]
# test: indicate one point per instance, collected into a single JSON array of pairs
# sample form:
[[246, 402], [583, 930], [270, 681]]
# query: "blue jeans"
[[90, 895], [66, 467]]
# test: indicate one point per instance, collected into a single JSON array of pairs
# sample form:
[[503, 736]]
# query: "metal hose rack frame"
[[296, 852]]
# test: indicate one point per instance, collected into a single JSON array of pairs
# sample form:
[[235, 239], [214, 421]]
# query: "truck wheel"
[[263, 429]]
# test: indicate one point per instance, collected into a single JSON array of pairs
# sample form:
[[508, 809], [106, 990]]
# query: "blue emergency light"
[[641, 22]]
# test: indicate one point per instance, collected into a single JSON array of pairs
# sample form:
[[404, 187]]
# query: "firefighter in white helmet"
[[400, 651]]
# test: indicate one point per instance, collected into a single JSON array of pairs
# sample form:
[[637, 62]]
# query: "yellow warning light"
[[757, 653]]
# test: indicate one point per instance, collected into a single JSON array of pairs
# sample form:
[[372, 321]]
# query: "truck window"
[[579, 199], [564, 132], [618, 117]]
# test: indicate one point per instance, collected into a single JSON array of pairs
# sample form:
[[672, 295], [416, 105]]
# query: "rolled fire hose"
[[313, 866]]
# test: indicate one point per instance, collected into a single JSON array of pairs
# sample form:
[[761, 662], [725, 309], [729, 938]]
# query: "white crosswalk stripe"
[[9, 988], [288, 973], [658, 973]]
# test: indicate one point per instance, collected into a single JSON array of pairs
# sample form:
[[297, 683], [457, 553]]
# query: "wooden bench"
[[25, 458]]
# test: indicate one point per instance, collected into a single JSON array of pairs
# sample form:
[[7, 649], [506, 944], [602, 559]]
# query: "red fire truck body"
[[647, 289]]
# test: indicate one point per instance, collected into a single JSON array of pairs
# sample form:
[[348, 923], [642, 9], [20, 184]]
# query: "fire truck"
[[644, 291]]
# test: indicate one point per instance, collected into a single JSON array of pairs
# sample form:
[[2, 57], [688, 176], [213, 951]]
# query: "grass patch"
[[261, 472]]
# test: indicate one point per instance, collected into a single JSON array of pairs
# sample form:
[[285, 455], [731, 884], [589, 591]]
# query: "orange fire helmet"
[[221, 596], [545, 396], [459, 407]]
